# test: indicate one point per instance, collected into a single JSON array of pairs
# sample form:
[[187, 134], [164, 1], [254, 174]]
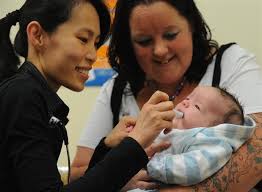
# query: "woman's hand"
[[141, 180], [121, 130], [156, 114]]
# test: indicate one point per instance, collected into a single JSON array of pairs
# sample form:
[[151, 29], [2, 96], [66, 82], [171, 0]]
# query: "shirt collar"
[[56, 106]]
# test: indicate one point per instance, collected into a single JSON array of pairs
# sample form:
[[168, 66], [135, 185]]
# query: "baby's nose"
[[186, 103]]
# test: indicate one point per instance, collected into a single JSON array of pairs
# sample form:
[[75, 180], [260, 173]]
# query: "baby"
[[212, 127], [208, 106]]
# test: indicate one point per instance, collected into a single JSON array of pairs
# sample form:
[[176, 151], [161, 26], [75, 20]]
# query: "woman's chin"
[[76, 88]]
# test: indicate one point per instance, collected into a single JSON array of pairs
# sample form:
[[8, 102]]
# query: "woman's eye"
[[83, 39], [143, 42], [198, 108], [170, 36]]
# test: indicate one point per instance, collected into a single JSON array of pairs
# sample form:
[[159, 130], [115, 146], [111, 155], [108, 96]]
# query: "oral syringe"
[[179, 114]]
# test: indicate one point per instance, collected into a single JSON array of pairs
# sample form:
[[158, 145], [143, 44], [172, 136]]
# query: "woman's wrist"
[[139, 139], [104, 145], [111, 143], [106, 142]]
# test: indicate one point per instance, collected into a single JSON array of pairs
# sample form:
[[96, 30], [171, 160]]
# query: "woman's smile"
[[83, 71]]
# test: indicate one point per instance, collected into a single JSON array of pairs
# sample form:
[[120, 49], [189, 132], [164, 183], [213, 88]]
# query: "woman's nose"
[[91, 54], [160, 50]]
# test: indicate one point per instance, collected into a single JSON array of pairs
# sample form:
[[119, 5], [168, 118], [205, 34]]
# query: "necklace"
[[178, 89], [152, 85]]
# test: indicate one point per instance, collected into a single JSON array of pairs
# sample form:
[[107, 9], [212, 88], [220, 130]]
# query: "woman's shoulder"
[[236, 52], [107, 88], [108, 85], [19, 87], [235, 60], [18, 84]]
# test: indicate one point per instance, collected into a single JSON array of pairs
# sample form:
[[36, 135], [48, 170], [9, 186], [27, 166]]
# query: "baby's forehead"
[[209, 96], [206, 91], [213, 99]]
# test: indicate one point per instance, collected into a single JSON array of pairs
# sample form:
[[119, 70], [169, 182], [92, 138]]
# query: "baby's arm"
[[199, 161]]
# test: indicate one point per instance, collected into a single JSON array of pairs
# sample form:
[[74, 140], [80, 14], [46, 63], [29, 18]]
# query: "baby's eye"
[[198, 108]]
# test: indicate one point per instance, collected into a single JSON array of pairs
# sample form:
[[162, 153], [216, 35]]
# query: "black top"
[[30, 145]]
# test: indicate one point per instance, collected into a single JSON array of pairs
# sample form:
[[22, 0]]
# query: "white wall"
[[259, 53], [235, 21], [230, 20]]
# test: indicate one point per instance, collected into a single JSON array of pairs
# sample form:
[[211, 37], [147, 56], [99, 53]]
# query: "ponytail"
[[9, 60]]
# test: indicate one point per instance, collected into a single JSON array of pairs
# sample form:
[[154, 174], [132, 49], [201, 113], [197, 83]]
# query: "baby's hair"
[[235, 115]]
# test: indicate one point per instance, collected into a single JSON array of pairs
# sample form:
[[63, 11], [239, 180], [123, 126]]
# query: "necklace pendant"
[[172, 97]]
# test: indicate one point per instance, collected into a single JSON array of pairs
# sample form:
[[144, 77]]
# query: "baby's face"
[[202, 108]]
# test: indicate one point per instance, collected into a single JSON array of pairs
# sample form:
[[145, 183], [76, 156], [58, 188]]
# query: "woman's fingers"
[[147, 185], [144, 181], [157, 114], [158, 97], [167, 115], [121, 130], [164, 106], [141, 180], [128, 121]]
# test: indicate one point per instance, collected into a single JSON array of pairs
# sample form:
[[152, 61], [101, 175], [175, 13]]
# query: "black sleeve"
[[118, 166], [100, 151]]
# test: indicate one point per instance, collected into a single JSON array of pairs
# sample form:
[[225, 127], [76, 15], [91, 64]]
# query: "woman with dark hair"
[[59, 40], [166, 45]]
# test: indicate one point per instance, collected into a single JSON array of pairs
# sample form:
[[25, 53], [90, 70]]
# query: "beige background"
[[230, 21]]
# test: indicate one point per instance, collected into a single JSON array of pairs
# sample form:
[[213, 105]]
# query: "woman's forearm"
[[114, 170], [241, 173], [80, 162]]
